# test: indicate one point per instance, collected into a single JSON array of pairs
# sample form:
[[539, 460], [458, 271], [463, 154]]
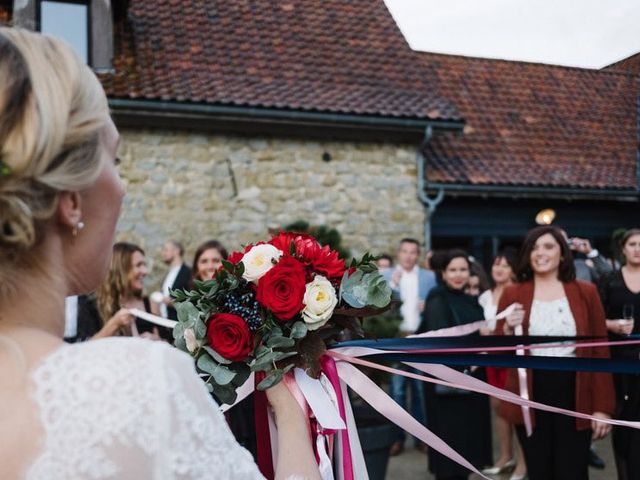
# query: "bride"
[[114, 408]]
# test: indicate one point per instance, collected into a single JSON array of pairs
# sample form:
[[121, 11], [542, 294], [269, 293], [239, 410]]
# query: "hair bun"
[[17, 227]]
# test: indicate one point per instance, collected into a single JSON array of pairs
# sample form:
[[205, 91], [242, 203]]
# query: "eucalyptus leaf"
[[242, 374], [379, 292], [277, 356], [261, 351], [274, 377], [298, 330], [216, 356], [200, 329], [222, 375], [280, 342], [181, 344], [224, 394], [178, 330], [275, 332], [263, 363], [187, 313], [207, 364], [288, 368]]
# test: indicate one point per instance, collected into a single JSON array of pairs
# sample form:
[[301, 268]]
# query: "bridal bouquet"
[[273, 307]]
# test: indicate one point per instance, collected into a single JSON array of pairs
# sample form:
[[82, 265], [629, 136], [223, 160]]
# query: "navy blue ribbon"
[[574, 364]]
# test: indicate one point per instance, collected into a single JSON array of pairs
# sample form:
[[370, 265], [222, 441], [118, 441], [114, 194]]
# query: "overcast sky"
[[580, 33]]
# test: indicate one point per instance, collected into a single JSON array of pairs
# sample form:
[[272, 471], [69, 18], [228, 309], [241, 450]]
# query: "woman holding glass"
[[620, 293]]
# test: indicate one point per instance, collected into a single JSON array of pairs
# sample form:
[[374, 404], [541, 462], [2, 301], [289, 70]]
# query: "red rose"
[[229, 335], [282, 288]]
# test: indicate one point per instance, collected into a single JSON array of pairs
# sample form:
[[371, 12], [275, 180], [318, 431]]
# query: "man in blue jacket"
[[412, 285]]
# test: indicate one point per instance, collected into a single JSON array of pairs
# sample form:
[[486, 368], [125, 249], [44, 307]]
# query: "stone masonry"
[[194, 187]]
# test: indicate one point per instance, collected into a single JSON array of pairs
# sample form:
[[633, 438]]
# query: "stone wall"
[[194, 187]]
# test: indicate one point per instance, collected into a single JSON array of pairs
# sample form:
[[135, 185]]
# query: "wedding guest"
[[384, 262], [550, 301], [426, 262], [208, 259], [478, 281], [620, 293], [178, 277], [460, 418], [119, 407], [122, 290], [590, 265], [81, 318], [502, 275], [412, 284]]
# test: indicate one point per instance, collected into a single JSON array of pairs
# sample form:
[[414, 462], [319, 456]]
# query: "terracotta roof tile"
[[536, 125], [298, 55], [526, 124]]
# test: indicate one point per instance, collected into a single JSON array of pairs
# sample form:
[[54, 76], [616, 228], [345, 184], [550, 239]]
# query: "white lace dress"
[[123, 408]]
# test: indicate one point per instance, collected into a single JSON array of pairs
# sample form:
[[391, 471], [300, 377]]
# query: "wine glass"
[[628, 317]]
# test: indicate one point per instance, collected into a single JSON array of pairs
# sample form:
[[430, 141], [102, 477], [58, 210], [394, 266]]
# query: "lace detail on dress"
[[130, 409]]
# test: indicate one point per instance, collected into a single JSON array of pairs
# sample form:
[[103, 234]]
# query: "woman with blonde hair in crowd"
[[502, 275], [117, 407], [549, 301], [620, 293], [122, 290]]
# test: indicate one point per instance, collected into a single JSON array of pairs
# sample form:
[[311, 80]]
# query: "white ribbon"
[[149, 317]]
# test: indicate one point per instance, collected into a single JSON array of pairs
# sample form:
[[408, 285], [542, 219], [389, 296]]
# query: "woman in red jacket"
[[551, 302]]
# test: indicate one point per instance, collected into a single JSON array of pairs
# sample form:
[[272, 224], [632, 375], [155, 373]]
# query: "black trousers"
[[626, 441], [555, 450]]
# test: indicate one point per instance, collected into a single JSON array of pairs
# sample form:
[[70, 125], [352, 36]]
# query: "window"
[[69, 21]]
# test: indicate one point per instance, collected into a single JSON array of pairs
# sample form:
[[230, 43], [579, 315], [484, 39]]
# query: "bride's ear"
[[69, 212]]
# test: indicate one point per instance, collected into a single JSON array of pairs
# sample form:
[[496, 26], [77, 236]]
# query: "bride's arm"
[[296, 458]]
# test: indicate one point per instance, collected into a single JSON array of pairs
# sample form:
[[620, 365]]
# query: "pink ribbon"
[[329, 369], [467, 382], [378, 399]]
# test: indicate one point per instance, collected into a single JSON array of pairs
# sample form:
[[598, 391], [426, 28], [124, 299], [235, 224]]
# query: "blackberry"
[[244, 305]]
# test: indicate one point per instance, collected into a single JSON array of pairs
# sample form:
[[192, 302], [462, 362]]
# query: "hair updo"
[[52, 109]]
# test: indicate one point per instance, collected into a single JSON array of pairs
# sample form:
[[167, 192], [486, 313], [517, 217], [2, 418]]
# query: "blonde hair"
[[115, 286], [52, 109]]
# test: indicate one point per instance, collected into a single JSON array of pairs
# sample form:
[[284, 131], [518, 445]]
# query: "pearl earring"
[[79, 226]]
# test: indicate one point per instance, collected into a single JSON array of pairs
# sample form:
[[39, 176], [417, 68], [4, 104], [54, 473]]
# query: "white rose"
[[320, 299], [190, 339], [259, 260]]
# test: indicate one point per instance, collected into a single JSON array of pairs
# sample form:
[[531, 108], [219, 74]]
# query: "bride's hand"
[[296, 458], [281, 399]]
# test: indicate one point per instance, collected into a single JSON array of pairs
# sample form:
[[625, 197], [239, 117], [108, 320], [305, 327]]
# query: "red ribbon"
[[263, 438], [329, 368]]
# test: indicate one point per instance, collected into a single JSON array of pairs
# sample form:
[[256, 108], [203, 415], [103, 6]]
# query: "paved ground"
[[413, 465]]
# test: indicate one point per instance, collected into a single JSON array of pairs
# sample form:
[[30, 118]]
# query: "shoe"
[[396, 449], [495, 470], [595, 461], [518, 476]]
